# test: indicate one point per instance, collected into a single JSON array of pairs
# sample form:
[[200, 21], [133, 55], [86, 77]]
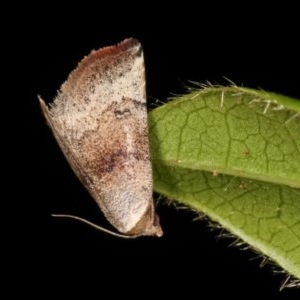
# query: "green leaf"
[[234, 154]]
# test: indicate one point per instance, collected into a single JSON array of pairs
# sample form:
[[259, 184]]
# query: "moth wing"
[[99, 119]]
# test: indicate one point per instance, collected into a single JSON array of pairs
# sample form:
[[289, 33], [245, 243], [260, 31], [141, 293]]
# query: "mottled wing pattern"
[[99, 119]]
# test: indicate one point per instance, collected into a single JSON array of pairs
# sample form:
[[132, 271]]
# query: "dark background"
[[251, 47]]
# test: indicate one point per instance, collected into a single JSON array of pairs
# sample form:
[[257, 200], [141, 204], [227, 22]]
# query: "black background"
[[204, 42]]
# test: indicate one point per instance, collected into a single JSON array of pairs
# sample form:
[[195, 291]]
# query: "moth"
[[99, 119]]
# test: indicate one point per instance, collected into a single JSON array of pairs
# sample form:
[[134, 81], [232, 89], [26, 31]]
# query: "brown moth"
[[99, 119]]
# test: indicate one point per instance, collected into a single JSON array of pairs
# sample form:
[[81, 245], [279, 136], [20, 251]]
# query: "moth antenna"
[[95, 226]]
